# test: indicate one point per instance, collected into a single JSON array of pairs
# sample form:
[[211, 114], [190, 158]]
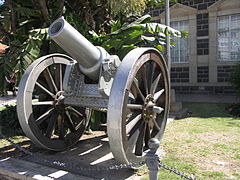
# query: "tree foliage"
[[139, 33], [24, 23], [133, 7], [235, 78], [23, 28]]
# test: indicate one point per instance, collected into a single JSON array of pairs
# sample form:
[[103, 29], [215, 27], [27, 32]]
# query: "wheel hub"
[[58, 101], [148, 113]]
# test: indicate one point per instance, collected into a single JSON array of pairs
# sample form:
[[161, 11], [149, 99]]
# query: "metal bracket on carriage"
[[107, 73]]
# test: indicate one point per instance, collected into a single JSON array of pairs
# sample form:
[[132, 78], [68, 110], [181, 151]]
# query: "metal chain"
[[183, 175], [72, 165], [16, 145]]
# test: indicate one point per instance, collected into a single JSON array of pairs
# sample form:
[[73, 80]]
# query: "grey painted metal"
[[91, 102], [107, 73], [43, 80], [152, 158], [79, 93], [77, 46], [124, 89]]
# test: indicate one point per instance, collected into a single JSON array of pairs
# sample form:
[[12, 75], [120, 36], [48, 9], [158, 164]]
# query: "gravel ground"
[[8, 99]]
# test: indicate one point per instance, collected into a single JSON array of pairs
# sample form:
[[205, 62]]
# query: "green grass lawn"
[[206, 144]]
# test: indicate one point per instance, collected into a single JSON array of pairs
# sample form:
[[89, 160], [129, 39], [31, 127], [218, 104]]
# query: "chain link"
[[72, 165], [20, 148], [175, 171]]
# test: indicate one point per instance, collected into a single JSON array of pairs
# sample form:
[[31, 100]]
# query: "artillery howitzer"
[[57, 93]]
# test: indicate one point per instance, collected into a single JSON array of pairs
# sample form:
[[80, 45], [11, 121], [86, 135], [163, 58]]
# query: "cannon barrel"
[[78, 47]]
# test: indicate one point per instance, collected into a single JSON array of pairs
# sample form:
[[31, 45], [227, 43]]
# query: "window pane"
[[179, 53], [229, 38]]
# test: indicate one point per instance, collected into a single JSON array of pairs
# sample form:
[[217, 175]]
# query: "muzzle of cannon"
[[78, 47], [57, 93]]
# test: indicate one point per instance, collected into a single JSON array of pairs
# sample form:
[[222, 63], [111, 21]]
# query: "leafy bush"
[[235, 78], [140, 33], [234, 110], [9, 121]]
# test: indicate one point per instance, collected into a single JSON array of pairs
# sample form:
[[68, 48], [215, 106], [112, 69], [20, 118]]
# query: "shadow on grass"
[[207, 110], [218, 111]]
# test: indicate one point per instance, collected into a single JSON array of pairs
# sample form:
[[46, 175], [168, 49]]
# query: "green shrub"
[[9, 121], [235, 78]]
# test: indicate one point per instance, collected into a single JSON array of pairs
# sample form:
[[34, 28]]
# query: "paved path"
[[93, 152], [8, 99]]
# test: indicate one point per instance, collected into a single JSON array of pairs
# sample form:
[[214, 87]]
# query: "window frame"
[[178, 43], [229, 31]]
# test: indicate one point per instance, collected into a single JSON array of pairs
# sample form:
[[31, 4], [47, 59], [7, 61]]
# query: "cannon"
[[58, 92]]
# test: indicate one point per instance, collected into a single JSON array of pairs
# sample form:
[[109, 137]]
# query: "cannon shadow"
[[90, 157]]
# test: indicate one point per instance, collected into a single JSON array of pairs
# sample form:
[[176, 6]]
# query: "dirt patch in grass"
[[221, 149]]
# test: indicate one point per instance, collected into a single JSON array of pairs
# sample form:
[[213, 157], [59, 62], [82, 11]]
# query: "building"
[[203, 63]]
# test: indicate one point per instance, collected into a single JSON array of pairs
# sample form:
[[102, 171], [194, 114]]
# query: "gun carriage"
[[57, 93]]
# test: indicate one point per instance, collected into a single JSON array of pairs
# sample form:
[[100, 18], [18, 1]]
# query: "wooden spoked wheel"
[[138, 105], [44, 117]]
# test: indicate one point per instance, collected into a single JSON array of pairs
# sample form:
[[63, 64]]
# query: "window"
[[180, 53], [229, 38]]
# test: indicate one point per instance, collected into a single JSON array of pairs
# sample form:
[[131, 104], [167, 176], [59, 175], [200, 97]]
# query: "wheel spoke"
[[58, 76], [155, 84], [138, 90], [144, 75], [50, 81], [60, 126], [40, 103], [157, 95], [134, 134], [44, 116], [152, 71], [69, 122], [132, 122], [79, 124], [75, 111], [51, 124], [140, 140], [147, 135], [44, 89], [156, 124], [135, 106]]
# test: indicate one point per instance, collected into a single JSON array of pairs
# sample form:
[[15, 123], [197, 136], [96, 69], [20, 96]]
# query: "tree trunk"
[[13, 16], [44, 10], [61, 6]]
